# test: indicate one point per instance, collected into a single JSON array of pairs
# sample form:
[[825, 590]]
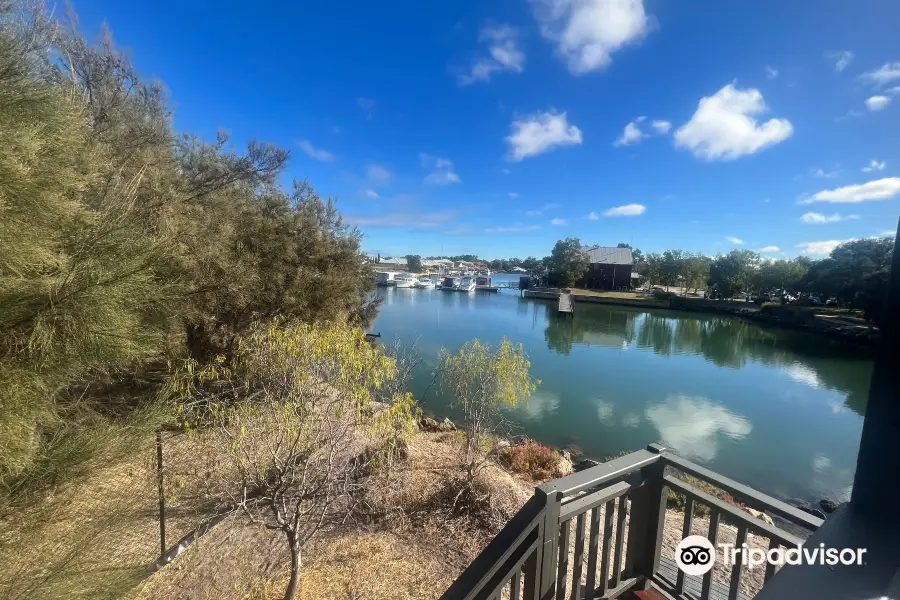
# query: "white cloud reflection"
[[803, 374], [539, 405], [693, 425], [605, 410]]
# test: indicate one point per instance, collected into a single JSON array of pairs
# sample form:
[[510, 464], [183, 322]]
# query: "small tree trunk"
[[291, 590]]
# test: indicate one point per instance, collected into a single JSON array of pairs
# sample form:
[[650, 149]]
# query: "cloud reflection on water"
[[694, 425]]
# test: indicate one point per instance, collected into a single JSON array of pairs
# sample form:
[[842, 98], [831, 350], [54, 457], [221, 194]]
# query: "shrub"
[[661, 295], [533, 460]]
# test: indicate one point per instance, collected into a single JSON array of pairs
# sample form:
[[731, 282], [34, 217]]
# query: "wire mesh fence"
[[102, 535]]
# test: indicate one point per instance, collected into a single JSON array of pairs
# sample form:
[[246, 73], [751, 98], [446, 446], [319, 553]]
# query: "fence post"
[[550, 541], [648, 513], [162, 496]]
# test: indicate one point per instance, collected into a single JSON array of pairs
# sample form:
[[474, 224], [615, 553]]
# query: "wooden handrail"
[[534, 546], [746, 494]]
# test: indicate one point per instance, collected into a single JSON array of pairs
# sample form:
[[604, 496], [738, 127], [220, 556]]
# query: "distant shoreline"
[[781, 316]]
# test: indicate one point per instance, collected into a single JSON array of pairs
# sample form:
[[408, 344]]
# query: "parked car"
[[831, 302]]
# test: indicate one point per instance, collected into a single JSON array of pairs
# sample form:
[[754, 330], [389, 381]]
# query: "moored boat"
[[384, 278], [466, 284], [450, 283], [404, 280], [424, 282]]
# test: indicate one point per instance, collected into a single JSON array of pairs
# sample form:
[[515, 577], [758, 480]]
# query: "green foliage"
[[780, 274], [856, 273], [124, 244], [481, 381], [663, 296], [732, 273], [567, 263], [297, 429], [414, 263]]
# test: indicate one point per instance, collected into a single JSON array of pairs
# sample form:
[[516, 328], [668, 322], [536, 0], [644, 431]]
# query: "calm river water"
[[775, 409]]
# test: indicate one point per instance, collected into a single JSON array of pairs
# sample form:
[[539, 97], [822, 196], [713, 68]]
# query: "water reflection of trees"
[[607, 328], [725, 341]]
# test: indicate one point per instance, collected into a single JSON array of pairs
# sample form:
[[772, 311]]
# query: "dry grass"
[[98, 537], [93, 538], [374, 566]]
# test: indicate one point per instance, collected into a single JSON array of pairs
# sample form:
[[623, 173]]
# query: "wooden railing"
[[536, 557]]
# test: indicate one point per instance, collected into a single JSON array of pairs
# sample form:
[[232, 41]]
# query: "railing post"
[[546, 554], [648, 513]]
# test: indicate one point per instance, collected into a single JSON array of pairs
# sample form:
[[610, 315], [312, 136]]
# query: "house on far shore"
[[396, 261], [610, 269]]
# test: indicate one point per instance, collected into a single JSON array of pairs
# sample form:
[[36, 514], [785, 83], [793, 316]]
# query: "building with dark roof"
[[610, 268]]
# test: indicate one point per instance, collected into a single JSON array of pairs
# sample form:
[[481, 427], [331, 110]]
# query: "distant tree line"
[[855, 273]]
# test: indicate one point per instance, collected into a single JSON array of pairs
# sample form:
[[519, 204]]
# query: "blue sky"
[[496, 128]]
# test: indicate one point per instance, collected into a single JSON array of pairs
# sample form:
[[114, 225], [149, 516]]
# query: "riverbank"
[[835, 326]]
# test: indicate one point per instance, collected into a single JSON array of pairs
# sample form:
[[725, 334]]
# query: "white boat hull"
[[402, 283]]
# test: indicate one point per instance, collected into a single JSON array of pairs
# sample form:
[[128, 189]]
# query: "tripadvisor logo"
[[696, 555]]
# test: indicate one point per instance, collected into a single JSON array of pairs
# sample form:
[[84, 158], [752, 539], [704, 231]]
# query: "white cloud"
[[879, 189], [533, 213], [723, 128], [541, 133], [513, 195], [631, 135], [814, 218], [626, 210], [876, 103], [441, 170], [883, 75], [372, 194], [316, 153], [841, 59], [461, 230], [661, 127], [505, 55], [850, 114], [587, 32], [404, 219], [874, 165], [440, 177], [378, 175], [593, 216], [821, 247], [771, 72], [693, 425], [888, 233], [824, 174], [512, 229], [769, 249], [558, 221], [365, 103], [735, 240]]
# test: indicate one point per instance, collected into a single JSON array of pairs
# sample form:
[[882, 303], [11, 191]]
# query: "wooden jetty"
[[565, 303]]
